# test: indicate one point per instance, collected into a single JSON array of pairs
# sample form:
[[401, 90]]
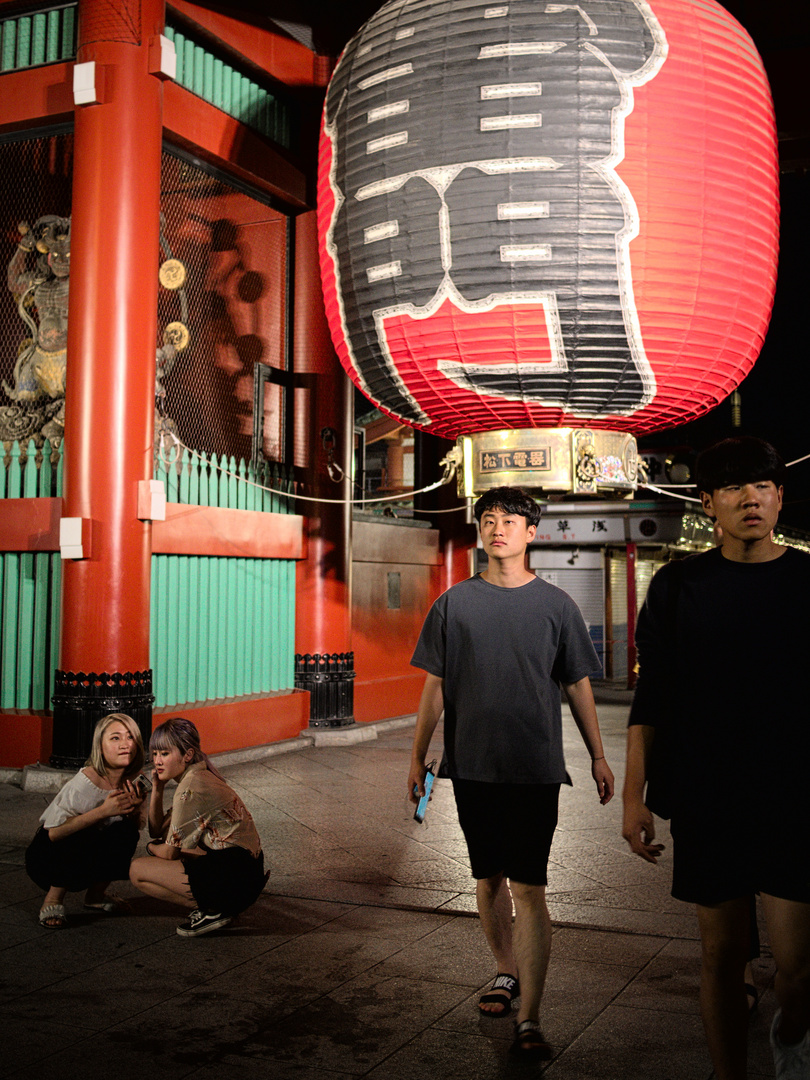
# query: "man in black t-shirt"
[[719, 727], [496, 649]]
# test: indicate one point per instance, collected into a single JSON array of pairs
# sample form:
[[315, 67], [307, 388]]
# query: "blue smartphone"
[[421, 806]]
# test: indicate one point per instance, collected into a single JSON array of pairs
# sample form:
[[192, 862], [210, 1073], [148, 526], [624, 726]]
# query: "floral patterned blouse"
[[206, 812]]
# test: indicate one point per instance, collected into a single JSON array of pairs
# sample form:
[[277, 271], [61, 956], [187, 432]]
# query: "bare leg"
[[724, 937], [495, 911], [53, 896], [165, 879], [532, 945], [96, 893], [789, 931]]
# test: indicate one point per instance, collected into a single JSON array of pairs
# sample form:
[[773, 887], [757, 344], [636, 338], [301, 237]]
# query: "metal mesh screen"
[[221, 306], [115, 20], [35, 194], [232, 250]]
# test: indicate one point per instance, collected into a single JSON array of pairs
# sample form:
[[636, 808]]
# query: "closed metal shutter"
[[586, 587], [645, 572], [617, 630]]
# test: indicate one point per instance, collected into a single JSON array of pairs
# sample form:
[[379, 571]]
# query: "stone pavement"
[[363, 958]]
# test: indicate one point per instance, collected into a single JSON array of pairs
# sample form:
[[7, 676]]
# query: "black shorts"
[[714, 862], [508, 828], [84, 858], [227, 880]]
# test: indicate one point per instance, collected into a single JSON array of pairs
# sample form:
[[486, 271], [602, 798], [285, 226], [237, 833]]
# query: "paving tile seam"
[[235, 1061], [665, 935], [415, 1037], [50, 986], [41, 1061], [329, 995], [169, 936], [85, 971], [418, 908], [92, 1036], [442, 909]]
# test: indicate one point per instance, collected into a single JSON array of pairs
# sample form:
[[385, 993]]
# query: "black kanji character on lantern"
[[475, 147]]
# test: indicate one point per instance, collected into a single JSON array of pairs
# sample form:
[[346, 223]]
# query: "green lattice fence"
[[220, 627]]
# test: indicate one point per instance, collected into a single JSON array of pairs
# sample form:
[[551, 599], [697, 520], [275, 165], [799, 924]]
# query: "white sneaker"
[[791, 1062]]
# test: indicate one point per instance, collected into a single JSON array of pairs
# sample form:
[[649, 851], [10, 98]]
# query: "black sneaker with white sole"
[[202, 922]]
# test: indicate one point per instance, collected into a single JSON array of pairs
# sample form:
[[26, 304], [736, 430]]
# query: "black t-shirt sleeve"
[[430, 651], [654, 641], [576, 656]]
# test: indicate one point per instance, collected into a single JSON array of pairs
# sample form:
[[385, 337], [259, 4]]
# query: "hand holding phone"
[[421, 806], [143, 785]]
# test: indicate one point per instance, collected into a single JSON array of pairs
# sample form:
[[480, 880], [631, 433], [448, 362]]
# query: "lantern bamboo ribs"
[[541, 217]]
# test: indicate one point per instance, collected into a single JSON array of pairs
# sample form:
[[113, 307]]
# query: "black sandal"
[[529, 1042], [502, 982]]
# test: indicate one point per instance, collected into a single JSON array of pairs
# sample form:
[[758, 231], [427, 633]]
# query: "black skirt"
[[226, 880], [80, 860]]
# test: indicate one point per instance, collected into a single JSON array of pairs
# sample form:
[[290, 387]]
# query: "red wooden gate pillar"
[[109, 409], [324, 661]]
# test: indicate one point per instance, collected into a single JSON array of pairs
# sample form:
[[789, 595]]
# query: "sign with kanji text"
[[515, 460]]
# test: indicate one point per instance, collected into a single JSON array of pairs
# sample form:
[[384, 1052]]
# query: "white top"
[[78, 796]]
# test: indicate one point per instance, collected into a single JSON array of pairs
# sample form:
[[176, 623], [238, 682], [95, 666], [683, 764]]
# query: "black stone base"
[[80, 700], [329, 677]]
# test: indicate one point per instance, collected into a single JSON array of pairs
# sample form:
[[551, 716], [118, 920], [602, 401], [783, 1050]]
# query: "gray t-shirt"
[[502, 654]]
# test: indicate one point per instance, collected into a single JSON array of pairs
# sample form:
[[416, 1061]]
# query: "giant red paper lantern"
[[547, 214]]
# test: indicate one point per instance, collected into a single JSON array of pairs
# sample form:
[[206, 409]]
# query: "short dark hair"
[[740, 460], [510, 500]]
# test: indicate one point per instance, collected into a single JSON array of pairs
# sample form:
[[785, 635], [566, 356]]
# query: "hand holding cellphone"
[[143, 784], [421, 806]]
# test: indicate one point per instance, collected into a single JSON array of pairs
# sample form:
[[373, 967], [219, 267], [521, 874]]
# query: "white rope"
[[451, 510], [671, 494], [673, 487], [449, 473]]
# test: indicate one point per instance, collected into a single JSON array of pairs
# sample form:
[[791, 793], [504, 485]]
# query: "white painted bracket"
[[162, 58], [151, 500], [87, 89], [74, 538]]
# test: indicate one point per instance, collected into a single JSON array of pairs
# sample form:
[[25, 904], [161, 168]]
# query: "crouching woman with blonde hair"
[[89, 832], [205, 853]]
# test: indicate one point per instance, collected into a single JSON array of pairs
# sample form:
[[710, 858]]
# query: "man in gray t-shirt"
[[496, 649]]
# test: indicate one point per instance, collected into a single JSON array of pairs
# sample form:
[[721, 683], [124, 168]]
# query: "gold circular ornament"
[[176, 334], [172, 274]]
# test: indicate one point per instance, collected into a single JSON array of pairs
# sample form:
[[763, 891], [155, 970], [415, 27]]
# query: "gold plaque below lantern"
[[575, 461], [172, 274], [176, 333]]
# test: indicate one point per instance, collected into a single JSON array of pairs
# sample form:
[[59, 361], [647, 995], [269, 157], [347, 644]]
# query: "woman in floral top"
[[205, 853]]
